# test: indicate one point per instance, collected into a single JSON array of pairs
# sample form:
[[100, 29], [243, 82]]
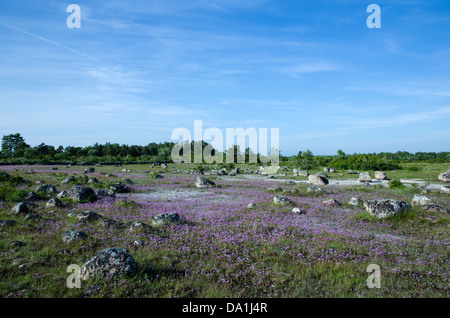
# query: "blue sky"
[[136, 70]]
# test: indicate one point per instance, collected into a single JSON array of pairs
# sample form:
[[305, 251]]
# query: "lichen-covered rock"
[[7, 223], [365, 177], [282, 200], [331, 202], [87, 216], [80, 193], [4, 176], [297, 210], [93, 180], [317, 180], [74, 236], [46, 188], [20, 208], [379, 175], [444, 177], [165, 218], [119, 187], [63, 194], [31, 196], [420, 200], [355, 201], [385, 208], [68, 180], [110, 262], [314, 189], [303, 173], [139, 226], [54, 203], [204, 183]]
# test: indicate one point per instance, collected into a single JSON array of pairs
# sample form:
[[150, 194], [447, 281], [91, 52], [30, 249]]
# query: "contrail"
[[50, 41]]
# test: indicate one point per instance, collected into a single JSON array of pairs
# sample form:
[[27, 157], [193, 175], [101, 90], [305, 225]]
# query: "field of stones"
[[172, 231]]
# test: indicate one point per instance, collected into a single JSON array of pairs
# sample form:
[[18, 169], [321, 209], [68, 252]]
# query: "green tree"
[[14, 145]]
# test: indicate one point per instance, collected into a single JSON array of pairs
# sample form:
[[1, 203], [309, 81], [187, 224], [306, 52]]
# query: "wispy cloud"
[[394, 121], [310, 67], [51, 42]]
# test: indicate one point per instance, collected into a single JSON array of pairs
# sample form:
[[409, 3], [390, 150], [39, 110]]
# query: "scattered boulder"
[[111, 223], [444, 177], [355, 201], [314, 189], [235, 171], [251, 205], [80, 193], [93, 180], [352, 172], [282, 200], [110, 262], [139, 226], [385, 208], [297, 210], [4, 176], [17, 243], [379, 175], [289, 182], [31, 196], [32, 217], [87, 216], [445, 189], [119, 188], [420, 200], [7, 223], [303, 173], [89, 170], [46, 188], [165, 218], [435, 208], [74, 236], [365, 177], [204, 183], [63, 194], [68, 180], [331, 202], [127, 181], [20, 208], [105, 193], [220, 172], [54, 203], [317, 180], [322, 174]]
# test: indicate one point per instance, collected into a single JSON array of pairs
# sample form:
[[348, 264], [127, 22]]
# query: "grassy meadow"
[[221, 248]]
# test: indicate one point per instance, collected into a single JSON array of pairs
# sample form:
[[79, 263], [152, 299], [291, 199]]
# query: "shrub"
[[396, 183]]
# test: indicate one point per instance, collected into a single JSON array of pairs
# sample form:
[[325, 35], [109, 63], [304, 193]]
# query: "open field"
[[221, 248]]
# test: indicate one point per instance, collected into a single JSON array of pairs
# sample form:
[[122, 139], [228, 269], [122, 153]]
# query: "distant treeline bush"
[[14, 150]]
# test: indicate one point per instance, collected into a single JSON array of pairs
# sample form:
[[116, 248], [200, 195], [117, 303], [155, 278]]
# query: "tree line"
[[15, 149]]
